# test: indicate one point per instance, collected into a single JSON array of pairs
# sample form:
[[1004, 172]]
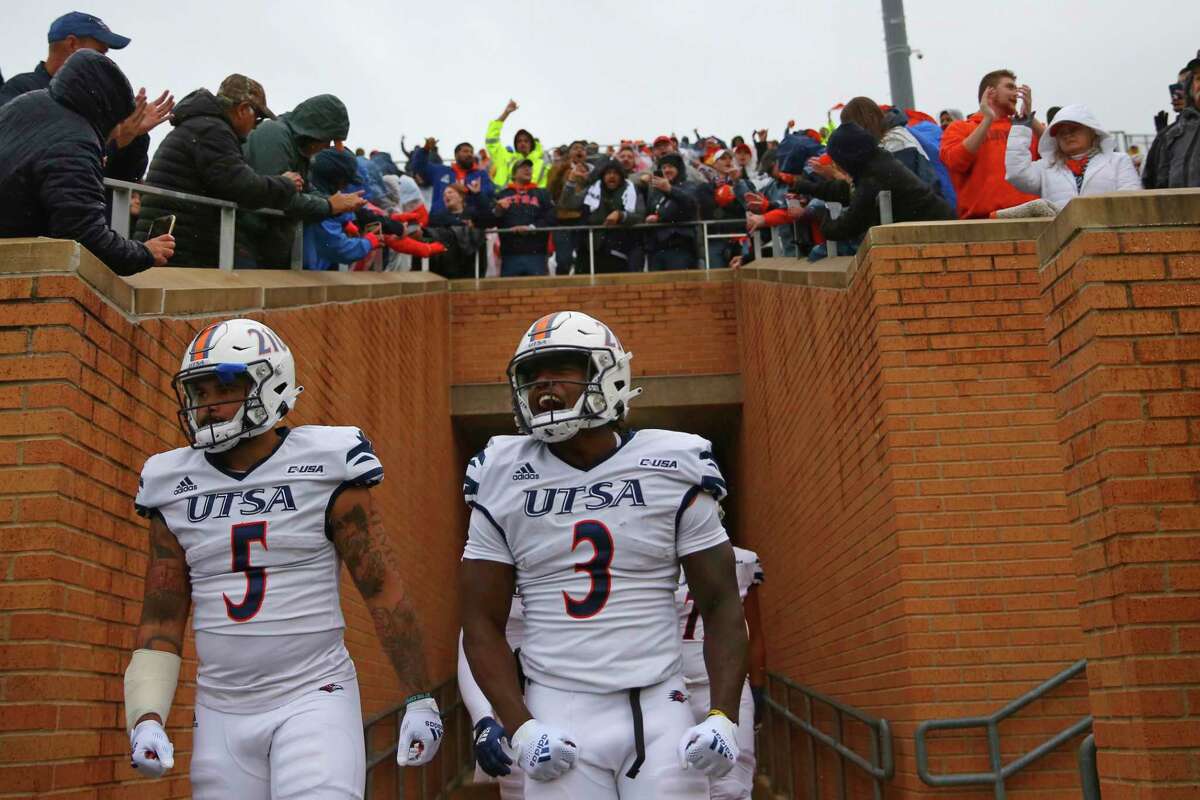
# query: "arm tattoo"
[[359, 537], [167, 591], [401, 639]]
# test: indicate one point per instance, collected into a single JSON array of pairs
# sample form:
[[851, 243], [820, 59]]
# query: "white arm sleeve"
[[699, 526], [473, 698], [150, 681]]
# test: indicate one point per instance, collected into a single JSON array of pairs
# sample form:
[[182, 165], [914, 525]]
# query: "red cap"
[[663, 139], [743, 148]]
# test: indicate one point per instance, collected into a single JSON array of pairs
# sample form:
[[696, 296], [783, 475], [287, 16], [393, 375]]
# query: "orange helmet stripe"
[[200, 346], [541, 328]]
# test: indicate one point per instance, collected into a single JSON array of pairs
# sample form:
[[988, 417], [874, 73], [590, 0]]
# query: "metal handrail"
[[1000, 771], [1089, 774], [879, 767], [122, 198], [454, 761]]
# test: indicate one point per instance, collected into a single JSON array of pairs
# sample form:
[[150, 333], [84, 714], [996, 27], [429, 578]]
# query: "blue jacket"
[[326, 245], [439, 176], [370, 177]]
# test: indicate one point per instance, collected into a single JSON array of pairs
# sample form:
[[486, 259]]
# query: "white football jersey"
[[264, 573], [691, 625], [596, 551]]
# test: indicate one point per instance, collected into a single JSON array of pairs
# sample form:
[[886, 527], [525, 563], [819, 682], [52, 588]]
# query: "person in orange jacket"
[[973, 149]]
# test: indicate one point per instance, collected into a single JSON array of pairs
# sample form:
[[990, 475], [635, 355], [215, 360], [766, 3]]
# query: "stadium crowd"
[[515, 204]]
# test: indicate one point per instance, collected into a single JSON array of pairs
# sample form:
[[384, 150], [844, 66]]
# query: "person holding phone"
[[1151, 179]]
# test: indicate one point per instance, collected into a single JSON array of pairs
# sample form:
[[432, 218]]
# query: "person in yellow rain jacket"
[[524, 146]]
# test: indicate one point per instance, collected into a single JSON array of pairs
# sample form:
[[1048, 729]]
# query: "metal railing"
[[780, 766], [1089, 774], [1000, 771], [123, 196], [448, 770]]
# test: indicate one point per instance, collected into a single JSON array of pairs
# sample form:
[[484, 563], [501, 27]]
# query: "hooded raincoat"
[[1051, 177], [51, 146]]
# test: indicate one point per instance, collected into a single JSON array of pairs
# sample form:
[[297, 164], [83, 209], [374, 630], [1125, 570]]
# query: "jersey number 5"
[[597, 567], [256, 577]]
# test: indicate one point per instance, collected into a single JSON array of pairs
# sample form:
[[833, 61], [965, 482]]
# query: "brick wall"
[[1123, 325], [85, 398], [908, 431], [675, 324]]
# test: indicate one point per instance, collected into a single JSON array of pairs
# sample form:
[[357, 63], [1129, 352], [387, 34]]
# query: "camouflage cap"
[[240, 89]]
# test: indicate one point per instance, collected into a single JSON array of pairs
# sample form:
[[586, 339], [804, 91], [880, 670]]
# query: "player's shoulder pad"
[[160, 476], [345, 448], [498, 449], [697, 466]]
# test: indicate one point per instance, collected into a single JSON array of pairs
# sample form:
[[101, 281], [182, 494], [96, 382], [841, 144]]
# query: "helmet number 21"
[[241, 537], [597, 567]]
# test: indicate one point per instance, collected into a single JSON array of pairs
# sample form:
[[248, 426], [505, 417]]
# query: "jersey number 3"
[[597, 567], [256, 577]]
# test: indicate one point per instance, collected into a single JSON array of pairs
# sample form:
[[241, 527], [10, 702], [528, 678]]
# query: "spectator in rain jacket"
[[614, 202], [286, 144], [203, 155], [525, 146], [51, 179], [327, 243], [526, 206], [1078, 157], [1176, 161], [671, 199], [464, 170]]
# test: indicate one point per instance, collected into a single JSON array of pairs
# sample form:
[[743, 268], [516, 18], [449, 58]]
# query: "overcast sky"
[[611, 69]]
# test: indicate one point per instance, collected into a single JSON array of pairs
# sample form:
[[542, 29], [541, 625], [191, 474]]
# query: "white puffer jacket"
[[1051, 179]]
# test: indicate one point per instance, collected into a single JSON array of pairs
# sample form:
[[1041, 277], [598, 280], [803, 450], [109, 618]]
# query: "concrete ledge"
[[828, 273], [661, 391], [565, 281], [1159, 208]]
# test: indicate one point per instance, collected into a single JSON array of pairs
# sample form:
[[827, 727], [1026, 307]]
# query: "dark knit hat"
[[852, 147]]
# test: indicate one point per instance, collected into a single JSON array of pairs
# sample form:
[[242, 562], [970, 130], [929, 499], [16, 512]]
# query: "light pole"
[[895, 36]]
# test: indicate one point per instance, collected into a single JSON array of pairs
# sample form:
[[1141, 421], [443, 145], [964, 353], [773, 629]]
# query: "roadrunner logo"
[[330, 688], [676, 696]]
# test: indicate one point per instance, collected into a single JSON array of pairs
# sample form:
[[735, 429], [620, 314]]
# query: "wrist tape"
[[150, 683]]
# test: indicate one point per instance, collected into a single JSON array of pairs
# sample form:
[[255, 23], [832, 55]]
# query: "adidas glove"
[[543, 752], [420, 731], [151, 752], [711, 746], [489, 748]]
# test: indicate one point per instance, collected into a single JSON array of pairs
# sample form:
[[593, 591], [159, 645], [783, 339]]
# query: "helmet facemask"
[[252, 417], [590, 410]]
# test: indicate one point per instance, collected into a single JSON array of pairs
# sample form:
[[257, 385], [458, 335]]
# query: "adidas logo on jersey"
[[185, 485], [526, 472]]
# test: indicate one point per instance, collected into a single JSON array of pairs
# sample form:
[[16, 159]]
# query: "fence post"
[[298, 246], [477, 259], [225, 251], [704, 236], [885, 208], [591, 252], [121, 199]]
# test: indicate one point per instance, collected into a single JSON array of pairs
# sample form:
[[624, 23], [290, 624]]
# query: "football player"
[[592, 522], [247, 527], [738, 783]]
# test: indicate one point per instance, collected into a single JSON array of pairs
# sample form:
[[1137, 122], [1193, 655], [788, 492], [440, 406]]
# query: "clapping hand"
[[146, 117]]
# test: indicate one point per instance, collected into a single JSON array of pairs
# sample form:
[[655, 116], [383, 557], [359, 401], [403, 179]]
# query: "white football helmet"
[[606, 391], [230, 350]]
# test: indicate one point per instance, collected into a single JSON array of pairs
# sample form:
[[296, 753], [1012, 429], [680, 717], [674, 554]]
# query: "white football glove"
[[710, 747], [420, 732], [544, 753], [150, 751]]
